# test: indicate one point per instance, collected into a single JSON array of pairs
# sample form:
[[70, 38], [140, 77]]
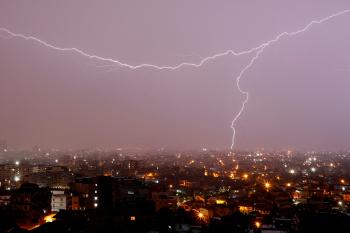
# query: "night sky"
[[299, 86]]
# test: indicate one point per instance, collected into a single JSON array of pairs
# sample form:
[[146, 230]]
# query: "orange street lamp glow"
[[257, 224], [49, 218]]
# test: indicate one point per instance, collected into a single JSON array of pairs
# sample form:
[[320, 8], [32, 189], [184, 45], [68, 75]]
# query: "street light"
[[257, 224]]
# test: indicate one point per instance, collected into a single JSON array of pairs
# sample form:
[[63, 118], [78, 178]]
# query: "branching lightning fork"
[[257, 50]]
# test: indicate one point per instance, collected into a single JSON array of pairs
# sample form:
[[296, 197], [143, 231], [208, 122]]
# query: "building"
[[129, 168], [56, 177], [5, 196], [10, 175], [29, 204], [106, 192], [346, 196], [58, 200], [83, 193], [164, 200]]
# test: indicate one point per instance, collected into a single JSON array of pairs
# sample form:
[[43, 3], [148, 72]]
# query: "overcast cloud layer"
[[299, 87]]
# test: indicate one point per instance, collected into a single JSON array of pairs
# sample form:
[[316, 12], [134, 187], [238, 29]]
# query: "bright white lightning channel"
[[257, 50]]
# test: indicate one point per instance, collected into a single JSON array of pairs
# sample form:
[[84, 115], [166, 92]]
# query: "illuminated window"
[[220, 202]]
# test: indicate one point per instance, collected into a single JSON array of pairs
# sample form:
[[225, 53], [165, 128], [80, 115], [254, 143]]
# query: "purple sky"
[[299, 87]]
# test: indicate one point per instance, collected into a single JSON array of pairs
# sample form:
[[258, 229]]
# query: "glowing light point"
[[257, 224], [49, 218], [17, 178]]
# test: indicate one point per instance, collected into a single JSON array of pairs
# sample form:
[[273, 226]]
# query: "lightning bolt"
[[257, 50], [260, 50], [125, 65]]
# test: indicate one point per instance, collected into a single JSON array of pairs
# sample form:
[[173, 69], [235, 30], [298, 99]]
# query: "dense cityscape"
[[174, 116], [126, 190]]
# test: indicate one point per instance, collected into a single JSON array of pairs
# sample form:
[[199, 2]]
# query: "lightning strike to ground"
[[257, 50]]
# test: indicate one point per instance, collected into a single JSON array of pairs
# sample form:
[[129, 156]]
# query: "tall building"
[[57, 177], [129, 168], [30, 203], [105, 192]]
